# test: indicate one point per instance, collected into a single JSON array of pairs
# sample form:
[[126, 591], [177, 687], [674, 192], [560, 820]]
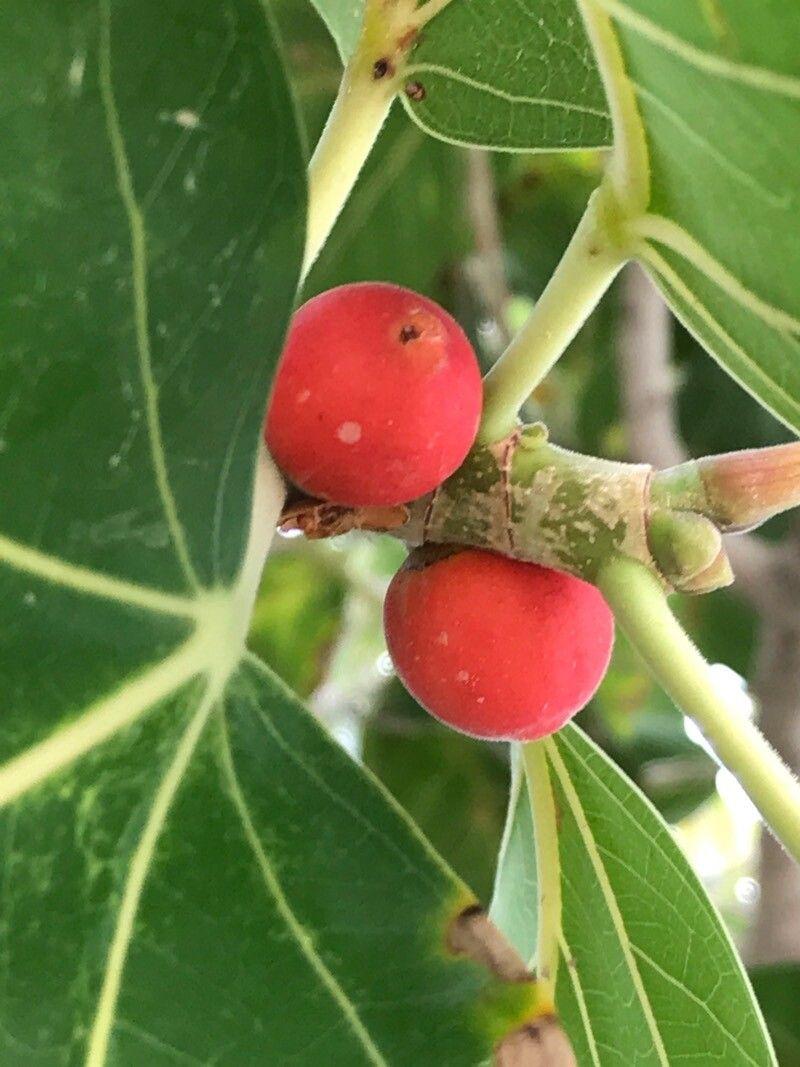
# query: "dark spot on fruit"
[[408, 333], [415, 91], [380, 68]]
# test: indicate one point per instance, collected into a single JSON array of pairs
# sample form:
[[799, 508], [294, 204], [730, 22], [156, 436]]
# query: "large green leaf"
[[192, 871], [718, 90], [648, 973], [509, 75], [454, 788]]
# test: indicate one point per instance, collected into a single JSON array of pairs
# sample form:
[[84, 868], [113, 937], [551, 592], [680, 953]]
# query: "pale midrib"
[[570, 967], [629, 167], [303, 939], [137, 875], [502, 94], [585, 831], [140, 298], [411, 827], [102, 720], [67, 575], [769, 81], [776, 201], [669, 233]]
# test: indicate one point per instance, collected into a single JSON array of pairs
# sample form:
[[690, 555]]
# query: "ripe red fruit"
[[495, 647], [377, 396]]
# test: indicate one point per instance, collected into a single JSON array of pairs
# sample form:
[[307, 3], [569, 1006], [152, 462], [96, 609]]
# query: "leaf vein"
[[604, 883], [61, 573], [300, 934], [745, 73], [138, 870], [502, 94], [138, 241]]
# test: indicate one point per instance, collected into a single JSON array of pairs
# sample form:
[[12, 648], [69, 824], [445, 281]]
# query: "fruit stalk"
[[640, 607]]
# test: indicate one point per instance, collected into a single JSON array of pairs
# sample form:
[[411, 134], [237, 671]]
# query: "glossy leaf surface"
[[647, 972], [192, 870], [718, 92]]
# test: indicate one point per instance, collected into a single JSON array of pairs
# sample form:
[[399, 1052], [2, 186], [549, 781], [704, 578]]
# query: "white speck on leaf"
[[75, 73], [186, 118]]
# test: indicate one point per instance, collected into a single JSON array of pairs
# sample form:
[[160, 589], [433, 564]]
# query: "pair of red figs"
[[376, 401]]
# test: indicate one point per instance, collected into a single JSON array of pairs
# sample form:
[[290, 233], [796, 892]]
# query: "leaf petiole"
[[548, 865]]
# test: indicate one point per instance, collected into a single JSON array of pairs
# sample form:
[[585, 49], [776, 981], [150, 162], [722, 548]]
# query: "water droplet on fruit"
[[349, 433], [385, 665], [442, 639], [462, 676], [303, 395]]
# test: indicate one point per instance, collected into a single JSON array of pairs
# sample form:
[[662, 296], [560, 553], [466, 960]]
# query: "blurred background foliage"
[[414, 219]]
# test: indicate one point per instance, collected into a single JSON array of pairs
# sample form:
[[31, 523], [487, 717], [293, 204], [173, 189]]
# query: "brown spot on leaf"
[[538, 1044], [415, 91]]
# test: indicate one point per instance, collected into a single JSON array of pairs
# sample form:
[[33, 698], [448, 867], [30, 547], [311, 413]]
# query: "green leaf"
[[647, 971], [718, 91], [499, 74], [343, 19], [511, 76], [777, 987], [193, 871], [453, 787]]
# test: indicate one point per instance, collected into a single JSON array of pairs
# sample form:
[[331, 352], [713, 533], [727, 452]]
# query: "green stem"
[[548, 867], [641, 609], [589, 265], [371, 79], [353, 125]]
